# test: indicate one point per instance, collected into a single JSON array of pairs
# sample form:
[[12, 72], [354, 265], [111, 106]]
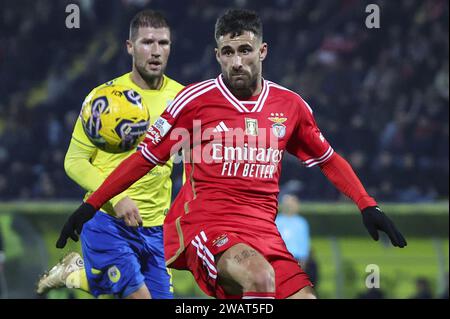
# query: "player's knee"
[[141, 293], [309, 296], [305, 293], [261, 279]]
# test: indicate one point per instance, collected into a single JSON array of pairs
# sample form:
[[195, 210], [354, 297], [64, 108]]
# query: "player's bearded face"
[[240, 58], [150, 51]]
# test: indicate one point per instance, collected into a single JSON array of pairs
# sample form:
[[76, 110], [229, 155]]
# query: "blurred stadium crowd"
[[380, 96]]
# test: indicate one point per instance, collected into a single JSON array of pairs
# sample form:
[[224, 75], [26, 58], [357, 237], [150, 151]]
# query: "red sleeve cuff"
[[366, 201]]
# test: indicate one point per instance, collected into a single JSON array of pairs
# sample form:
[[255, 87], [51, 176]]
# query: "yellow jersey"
[[152, 193]]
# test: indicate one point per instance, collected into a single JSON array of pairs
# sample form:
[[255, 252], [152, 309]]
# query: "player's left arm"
[[78, 165], [312, 148], [340, 173]]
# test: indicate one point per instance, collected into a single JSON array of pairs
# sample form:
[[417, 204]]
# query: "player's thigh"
[[158, 280], [104, 240], [240, 264], [141, 293], [158, 277], [113, 272], [306, 292], [111, 262]]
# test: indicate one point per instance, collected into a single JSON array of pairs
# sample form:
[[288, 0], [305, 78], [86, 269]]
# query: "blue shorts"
[[120, 259]]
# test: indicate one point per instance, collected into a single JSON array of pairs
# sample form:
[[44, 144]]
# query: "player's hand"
[[73, 226], [374, 219], [127, 210]]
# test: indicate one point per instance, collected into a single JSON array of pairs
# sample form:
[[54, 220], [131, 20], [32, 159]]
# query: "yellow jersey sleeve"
[[80, 169], [80, 139]]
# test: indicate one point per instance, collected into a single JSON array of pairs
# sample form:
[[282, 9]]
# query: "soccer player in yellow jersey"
[[124, 253]]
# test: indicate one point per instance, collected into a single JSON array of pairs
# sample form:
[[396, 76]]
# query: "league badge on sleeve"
[[278, 128], [163, 126]]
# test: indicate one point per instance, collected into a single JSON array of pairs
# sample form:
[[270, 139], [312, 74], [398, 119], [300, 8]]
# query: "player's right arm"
[[80, 169], [77, 162], [163, 139]]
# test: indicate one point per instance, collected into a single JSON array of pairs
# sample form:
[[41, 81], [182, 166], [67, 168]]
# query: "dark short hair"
[[236, 21], [147, 18]]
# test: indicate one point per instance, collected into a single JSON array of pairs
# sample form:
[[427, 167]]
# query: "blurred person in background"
[[295, 231], [444, 294], [294, 228], [123, 252], [423, 289]]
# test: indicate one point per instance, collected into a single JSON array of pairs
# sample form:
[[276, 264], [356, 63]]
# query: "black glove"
[[73, 226], [374, 219]]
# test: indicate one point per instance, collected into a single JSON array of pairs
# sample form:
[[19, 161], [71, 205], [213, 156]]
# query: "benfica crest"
[[278, 128]]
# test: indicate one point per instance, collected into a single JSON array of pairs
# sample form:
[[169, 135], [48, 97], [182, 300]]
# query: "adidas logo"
[[221, 127]]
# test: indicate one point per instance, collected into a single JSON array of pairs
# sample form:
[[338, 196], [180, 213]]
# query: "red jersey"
[[234, 151]]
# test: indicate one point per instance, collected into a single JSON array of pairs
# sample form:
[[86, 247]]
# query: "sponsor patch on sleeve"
[[163, 126]]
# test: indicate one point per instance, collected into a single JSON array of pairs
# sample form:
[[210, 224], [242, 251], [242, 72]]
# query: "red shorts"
[[199, 257]]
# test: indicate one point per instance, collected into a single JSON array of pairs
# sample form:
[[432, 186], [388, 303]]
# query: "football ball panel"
[[115, 118]]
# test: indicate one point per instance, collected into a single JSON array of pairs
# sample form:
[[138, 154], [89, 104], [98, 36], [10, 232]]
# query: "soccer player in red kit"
[[235, 130]]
